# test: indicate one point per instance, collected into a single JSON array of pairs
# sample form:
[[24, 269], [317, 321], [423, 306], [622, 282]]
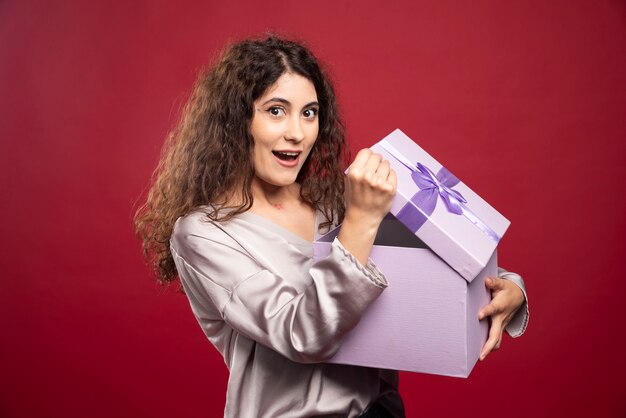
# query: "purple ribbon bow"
[[432, 186]]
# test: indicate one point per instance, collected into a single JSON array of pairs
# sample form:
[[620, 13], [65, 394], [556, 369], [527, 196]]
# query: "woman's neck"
[[278, 197], [284, 207]]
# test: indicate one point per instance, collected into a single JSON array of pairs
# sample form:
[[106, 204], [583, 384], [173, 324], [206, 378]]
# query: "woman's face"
[[284, 127]]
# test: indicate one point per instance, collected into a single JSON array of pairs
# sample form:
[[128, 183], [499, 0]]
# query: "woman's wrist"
[[357, 234]]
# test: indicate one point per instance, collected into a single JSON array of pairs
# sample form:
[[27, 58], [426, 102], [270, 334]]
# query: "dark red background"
[[524, 101]]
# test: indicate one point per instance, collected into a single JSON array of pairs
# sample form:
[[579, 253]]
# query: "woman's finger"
[[493, 342], [489, 310], [392, 180], [383, 169], [373, 162], [361, 158], [495, 283]]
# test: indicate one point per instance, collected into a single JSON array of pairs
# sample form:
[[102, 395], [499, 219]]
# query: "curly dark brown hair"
[[208, 155]]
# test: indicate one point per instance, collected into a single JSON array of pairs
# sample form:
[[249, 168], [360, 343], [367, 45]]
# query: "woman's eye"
[[276, 111], [310, 113]]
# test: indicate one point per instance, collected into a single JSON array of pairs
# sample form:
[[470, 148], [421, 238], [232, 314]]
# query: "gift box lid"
[[456, 223]]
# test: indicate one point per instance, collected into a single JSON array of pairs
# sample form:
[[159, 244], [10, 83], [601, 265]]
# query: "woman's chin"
[[278, 181]]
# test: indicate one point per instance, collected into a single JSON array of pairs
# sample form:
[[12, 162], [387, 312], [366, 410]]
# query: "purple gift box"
[[435, 247]]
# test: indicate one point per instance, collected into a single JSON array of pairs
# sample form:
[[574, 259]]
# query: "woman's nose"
[[295, 131]]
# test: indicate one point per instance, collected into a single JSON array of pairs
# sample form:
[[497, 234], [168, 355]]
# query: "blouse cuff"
[[519, 322], [370, 270]]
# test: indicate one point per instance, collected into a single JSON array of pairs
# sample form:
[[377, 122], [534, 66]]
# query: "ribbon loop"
[[431, 186]]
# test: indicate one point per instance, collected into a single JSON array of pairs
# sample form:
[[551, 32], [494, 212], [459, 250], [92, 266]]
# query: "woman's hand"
[[370, 188], [506, 299]]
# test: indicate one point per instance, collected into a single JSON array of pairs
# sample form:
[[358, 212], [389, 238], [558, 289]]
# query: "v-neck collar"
[[281, 230]]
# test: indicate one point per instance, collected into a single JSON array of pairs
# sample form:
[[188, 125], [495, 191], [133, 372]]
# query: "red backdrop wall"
[[525, 101]]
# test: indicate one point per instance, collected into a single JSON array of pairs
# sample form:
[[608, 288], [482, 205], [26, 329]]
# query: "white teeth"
[[291, 154]]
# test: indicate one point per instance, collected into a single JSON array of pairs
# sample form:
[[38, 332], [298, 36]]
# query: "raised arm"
[[370, 188]]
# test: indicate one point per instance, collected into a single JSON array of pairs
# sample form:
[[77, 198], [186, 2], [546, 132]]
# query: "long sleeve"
[[518, 323], [299, 309]]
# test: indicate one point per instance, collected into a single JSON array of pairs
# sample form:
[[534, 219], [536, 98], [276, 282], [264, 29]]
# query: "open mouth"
[[286, 155]]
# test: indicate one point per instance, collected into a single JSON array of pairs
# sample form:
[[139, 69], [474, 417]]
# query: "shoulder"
[[195, 223], [192, 229], [192, 223], [195, 233], [210, 250]]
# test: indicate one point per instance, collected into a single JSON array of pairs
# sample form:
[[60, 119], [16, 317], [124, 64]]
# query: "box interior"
[[392, 233]]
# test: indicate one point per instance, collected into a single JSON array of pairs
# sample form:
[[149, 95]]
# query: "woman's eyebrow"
[[287, 102], [277, 99]]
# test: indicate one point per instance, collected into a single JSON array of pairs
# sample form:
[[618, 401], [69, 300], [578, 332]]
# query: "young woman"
[[251, 175]]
